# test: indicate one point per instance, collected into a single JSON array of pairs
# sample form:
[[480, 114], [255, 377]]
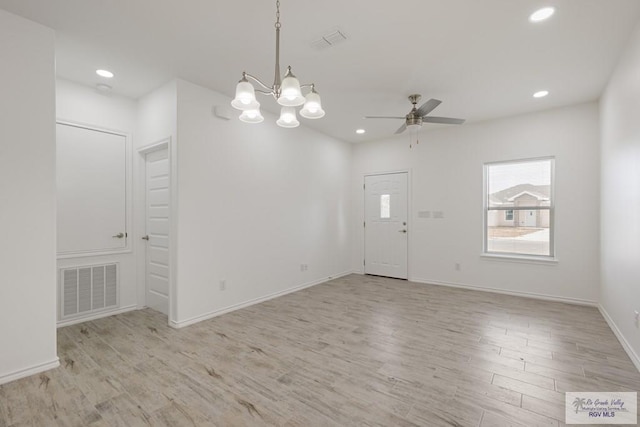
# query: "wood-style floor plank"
[[360, 350]]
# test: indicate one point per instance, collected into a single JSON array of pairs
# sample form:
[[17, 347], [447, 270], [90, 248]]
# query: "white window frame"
[[551, 208]]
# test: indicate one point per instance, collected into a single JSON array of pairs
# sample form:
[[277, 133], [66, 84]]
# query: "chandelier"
[[286, 91]]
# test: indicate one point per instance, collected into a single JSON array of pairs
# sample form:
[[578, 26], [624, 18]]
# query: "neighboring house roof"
[[540, 192], [532, 194]]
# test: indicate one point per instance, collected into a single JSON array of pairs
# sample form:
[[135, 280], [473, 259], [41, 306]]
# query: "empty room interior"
[[296, 213]]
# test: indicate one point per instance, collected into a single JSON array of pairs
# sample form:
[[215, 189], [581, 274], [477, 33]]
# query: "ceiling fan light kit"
[[286, 91]]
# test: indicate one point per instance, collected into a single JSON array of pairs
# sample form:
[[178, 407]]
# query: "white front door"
[[157, 229], [530, 218], [386, 225]]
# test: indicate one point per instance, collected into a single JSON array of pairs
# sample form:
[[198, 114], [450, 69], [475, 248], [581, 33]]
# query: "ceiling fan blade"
[[444, 120], [402, 129], [428, 107], [383, 117]]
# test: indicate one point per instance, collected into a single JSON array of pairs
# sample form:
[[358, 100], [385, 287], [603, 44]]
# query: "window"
[[519, 208], [385, 206]]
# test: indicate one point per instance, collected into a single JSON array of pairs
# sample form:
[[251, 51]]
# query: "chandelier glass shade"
[[286, 91], [288, 118], [252, 116], [290, 91], [313, 106], [245, 96]]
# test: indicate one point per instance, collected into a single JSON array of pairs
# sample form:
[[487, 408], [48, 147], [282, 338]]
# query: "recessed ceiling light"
[[541, 94], [104, 73], [542, 14], [360, 131]]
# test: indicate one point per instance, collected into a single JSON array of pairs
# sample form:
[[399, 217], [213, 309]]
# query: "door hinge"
[[364, 262], [364, 186], [364, 223]]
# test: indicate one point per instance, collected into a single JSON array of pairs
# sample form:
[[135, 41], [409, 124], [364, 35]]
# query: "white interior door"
[[157, 228], [91, 190], [386, 225]]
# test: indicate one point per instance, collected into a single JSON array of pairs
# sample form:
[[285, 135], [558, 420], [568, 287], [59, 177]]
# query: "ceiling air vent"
[[330, 38]]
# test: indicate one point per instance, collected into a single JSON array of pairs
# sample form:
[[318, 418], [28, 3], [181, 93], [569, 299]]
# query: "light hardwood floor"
[[360, 350]]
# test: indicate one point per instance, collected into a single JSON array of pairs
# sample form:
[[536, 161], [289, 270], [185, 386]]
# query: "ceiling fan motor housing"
[[413, 119]]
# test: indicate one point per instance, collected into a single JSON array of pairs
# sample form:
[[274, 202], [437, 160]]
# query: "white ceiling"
[[482, 58]]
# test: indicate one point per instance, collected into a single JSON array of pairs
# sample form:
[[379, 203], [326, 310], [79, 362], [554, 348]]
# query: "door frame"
[[167, 144], [409, 215]]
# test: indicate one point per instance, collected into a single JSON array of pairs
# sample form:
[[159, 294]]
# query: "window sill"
[[520, 258]]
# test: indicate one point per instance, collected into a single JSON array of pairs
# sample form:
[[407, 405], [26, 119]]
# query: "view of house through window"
[[519, 207]]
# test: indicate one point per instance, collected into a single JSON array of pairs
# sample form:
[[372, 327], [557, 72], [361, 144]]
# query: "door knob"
[[118, 236], [402, 231], [145, 237]]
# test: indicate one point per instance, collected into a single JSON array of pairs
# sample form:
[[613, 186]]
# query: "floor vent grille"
[[88, 289]]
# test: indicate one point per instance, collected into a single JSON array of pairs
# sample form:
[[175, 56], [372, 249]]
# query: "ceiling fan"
[[418, 116]]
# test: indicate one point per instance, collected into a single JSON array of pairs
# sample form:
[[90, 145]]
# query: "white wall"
[[157, 116], [447, 175], [255, 202], [87, 106], [156, 121], [27, 198], [620, 239]]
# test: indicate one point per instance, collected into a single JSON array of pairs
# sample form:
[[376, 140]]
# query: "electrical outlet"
[[223, 284]]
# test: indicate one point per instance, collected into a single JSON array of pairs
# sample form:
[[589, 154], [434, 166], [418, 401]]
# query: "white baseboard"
[[27, 372], [625, 344], [568, 300], [212, 314], [95, 316]]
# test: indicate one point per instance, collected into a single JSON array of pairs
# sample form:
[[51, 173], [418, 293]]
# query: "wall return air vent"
[[85, 290]]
